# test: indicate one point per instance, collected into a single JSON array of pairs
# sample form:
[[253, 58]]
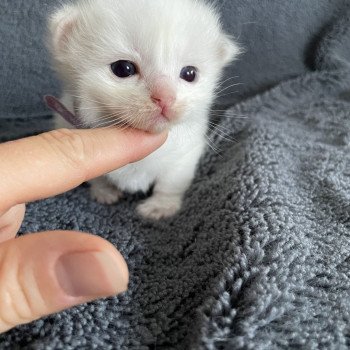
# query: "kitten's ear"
[[61, 25], [228, 49]]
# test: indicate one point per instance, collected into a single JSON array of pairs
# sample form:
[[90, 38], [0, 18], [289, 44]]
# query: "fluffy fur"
[[160, 37]]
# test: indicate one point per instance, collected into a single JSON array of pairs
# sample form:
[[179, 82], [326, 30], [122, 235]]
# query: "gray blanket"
[[258, 258]]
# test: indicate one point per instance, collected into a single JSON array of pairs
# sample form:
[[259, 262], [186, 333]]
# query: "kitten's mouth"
[[153, 120], [156, 123], [164, 119], [161, 118], [160, 122]]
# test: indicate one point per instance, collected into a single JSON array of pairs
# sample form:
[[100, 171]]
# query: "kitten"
[[149, 64]]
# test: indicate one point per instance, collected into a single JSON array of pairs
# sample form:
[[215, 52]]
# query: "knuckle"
[[70, 144]]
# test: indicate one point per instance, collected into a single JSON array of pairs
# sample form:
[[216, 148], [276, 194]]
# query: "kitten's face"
[[145, 63]]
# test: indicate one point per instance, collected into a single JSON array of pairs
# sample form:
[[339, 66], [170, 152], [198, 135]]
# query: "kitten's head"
[[146, 63]]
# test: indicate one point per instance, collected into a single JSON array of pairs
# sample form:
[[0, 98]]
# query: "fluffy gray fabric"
[[279, 38], [258, 258]]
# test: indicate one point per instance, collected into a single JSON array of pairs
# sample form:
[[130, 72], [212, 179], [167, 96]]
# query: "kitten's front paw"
[[105, 193], [156, 208]]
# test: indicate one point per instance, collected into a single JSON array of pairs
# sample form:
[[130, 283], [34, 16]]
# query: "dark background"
[[280, 38]]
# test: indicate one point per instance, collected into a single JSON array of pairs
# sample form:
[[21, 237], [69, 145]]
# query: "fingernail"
[[90, 274]]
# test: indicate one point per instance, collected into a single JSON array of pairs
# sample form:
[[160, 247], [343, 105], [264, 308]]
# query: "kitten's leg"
[[104, 192], [170, 188], [161, 205]]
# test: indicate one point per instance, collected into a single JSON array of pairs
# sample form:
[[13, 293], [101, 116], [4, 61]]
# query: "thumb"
[[47, 272]]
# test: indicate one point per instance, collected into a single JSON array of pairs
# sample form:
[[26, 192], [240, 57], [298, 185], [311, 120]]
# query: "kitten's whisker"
[[110, 125], [225, 111], [132, 98], [222, 134], [106, 117], [138, 120], [98, 108], [210, 142], [112, 118], [121, 115], [224, 115], [212, 146], [220, 126], [226, 80], [230, 93], [80, 98], [234, 116], [227, 87], [107, 123]]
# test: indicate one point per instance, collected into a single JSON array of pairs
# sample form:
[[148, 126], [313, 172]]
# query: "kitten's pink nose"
[[163, 95], [163, 102]]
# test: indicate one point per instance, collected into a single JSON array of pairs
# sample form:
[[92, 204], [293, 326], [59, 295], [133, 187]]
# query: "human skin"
[[44, 273]]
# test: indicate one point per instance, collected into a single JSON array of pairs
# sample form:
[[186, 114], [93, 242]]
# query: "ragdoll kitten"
[[149, 64]]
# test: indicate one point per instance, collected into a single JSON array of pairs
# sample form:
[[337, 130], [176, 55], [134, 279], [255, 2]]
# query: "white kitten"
[[149, 64]]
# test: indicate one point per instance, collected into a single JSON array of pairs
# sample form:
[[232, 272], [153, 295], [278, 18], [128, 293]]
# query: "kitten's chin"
[[158, 129], [158, 124]]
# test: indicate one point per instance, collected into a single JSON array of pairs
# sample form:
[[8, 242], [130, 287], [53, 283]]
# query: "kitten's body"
[[161, 37]]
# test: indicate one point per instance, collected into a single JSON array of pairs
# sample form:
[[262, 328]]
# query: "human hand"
[[47, 272]]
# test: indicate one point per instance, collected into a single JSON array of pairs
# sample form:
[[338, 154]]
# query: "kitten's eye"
[[188, 73], [123, 69]]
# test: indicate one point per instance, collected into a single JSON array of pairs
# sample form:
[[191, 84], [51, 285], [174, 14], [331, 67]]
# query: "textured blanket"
[[258, 258]]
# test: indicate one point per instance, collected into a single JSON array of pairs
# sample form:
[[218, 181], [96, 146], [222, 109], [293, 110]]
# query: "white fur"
[[161, 37]]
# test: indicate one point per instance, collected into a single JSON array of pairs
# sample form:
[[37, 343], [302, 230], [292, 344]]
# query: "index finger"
[[55, 162]]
